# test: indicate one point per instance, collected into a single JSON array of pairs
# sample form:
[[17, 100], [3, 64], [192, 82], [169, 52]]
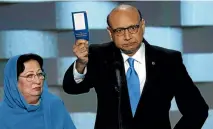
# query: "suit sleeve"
[[71, 86], [189, 100]]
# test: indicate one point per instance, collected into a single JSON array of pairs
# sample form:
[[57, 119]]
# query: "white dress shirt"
[[139, 65]]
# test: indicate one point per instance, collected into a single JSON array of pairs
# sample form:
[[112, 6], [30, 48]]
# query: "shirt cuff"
[[78, 75]]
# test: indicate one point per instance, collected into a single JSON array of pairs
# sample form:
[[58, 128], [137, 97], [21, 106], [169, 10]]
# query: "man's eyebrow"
[[125, 27]]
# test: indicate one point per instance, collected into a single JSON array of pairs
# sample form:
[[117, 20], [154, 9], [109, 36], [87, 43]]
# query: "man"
[[134, 81]]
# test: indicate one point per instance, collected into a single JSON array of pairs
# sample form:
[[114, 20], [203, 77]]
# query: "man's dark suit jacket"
[[166, 77]]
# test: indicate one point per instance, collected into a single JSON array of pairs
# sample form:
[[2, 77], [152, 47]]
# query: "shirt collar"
[[138, 56]]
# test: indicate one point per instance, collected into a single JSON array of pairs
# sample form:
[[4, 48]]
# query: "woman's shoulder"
[[2, 104], [54, 100]]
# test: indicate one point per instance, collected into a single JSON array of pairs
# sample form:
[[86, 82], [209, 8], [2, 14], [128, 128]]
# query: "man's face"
[[126, 30]]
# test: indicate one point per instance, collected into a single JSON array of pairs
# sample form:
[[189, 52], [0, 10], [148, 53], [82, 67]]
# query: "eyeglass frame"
[[27, 76], [127, 28]]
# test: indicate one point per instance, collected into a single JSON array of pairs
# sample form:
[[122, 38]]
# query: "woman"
[[27, 104]]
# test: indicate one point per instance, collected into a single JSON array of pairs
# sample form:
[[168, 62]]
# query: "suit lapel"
[[150, 60]]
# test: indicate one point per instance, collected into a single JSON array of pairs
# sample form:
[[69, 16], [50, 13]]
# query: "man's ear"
[[109, 30], [142, 24]]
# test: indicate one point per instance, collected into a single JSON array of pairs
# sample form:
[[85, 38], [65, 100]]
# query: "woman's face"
[[30, 81]]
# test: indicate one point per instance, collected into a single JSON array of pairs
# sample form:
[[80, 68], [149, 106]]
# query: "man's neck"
[[132, 53]]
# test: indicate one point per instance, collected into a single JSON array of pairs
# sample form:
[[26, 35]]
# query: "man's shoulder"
[[166, 52], [168, 57], [101, 45], [101, 48]]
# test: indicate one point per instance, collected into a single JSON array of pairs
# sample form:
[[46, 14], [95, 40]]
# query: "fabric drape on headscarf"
[[16, 113]]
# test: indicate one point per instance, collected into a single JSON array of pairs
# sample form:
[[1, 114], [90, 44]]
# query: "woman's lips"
[[37, 88]]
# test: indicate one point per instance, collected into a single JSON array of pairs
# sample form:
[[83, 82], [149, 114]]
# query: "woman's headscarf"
[[14, 108]]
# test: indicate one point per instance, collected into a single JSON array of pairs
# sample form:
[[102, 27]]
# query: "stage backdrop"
[[45, 28]]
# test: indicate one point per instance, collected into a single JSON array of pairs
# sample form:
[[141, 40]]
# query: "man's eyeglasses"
[[31, 77], [131, 29]]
